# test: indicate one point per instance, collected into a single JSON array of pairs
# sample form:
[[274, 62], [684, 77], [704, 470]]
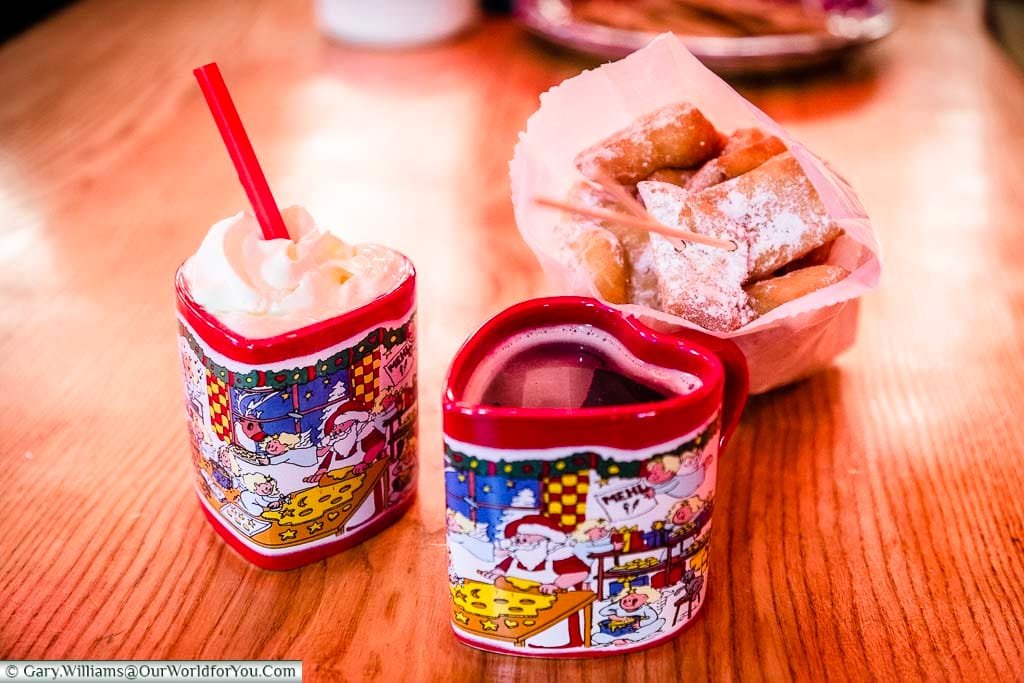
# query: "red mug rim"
[[654, 422], [390, 305]]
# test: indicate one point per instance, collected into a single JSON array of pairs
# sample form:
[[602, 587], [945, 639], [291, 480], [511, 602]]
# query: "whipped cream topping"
[[261, 288]]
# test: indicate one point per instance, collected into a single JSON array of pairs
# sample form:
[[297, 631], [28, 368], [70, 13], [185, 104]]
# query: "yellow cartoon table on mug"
[[321, 510], [518, 610]]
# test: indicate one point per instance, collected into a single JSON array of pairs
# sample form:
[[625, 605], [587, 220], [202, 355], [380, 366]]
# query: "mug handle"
[[737, 378]]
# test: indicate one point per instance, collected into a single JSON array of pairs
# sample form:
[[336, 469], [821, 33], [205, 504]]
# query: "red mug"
[[583, 531], [303, 444]]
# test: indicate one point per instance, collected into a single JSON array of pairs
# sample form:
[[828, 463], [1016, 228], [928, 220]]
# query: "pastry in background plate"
[[705, 17]]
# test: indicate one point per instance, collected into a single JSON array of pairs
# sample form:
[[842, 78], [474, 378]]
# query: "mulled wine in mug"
[[580, 457]]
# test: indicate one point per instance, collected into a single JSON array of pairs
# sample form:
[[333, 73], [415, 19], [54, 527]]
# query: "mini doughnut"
[[601, 256], [641, 281], [815, 257], [736, 162]]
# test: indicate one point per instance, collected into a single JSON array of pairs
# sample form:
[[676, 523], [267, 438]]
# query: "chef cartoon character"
[[374, 437], [194, 375], [196, 429], [453, 578], [537, 552], [678, 476], [637, 609], [466, 536], [403, 472]]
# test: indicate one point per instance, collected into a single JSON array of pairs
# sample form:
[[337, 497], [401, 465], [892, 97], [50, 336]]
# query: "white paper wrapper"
[[790, 342]]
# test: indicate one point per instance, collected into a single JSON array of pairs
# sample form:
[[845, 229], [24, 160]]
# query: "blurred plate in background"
[[841, 30]]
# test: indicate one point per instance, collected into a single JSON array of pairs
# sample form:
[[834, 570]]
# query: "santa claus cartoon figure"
[[352, 435], [538, 551]]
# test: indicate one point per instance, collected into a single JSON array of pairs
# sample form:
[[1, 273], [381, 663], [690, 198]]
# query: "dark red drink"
[[571, 367]]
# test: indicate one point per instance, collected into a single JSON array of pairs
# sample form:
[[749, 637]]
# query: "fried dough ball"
[[635, 276], [776, 203], [769, 294], [676, 136], [676, 176], [745, 187], [736, 159]]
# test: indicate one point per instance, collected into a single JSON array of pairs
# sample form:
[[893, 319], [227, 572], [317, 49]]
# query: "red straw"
[[242, 155]]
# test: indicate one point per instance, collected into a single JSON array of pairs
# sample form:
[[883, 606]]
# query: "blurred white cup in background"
[[394, 23]]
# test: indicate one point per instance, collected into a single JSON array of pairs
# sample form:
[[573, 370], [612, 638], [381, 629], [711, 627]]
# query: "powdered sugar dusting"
[[643, 282], [674, 135], [734, 206], [779, 346], [662, 118], [642, 285], [701, 283], [772, 214], [779, 210], [664, 201]]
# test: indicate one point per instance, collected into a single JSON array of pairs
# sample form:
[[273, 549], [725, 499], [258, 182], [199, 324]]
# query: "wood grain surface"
[[869, 521]]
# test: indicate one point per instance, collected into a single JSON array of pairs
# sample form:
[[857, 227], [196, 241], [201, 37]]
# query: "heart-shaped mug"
[[580, 458], [302, 444]]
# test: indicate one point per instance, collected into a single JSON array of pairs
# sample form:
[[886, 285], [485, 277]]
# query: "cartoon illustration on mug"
[[633, 615], [674, 475], [592, 537], [264, 448], [582, 551], [223, 473], [467, 536], [261, 494], [303, 454]]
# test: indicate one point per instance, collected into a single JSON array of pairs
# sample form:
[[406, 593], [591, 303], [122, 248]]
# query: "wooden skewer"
[[622, 196], [648, 224]]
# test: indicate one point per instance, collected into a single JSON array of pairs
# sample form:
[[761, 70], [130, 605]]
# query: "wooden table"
[[870, 521]]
